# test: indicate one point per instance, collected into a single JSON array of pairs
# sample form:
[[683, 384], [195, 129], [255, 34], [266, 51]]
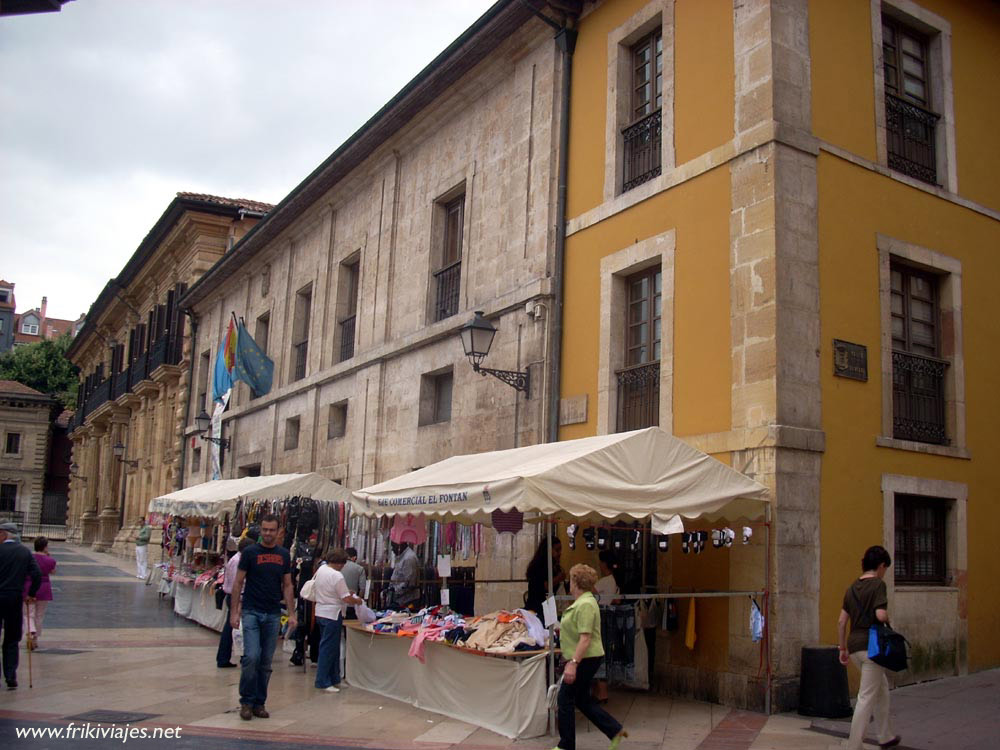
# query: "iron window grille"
[[920, 540]]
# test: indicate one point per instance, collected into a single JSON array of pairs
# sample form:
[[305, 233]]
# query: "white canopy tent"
[[639, 474], [217, 498]]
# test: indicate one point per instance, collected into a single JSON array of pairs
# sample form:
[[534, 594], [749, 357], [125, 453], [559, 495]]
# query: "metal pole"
[[767, 613], [552, 652]]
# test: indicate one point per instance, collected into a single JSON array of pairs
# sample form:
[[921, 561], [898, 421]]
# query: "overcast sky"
[[110, 107]]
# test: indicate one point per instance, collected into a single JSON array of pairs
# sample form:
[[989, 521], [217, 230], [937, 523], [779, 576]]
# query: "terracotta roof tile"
[[64, 418], [12, 386], [249, 205]]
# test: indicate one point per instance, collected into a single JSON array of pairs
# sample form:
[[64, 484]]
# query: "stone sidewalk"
[[112, 644]]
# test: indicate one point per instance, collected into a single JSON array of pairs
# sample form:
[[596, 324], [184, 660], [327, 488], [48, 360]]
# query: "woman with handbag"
[[866, 603]]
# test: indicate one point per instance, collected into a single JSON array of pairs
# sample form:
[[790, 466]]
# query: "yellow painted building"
[[781, 225]]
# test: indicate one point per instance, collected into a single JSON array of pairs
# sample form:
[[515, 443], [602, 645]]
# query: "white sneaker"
[[332, 689]]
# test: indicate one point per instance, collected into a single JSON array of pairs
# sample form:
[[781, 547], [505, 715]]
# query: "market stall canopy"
[[639, 474], [215, 499]]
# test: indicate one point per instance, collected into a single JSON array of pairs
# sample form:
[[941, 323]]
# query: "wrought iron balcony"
[[140, 368], [100, 395], [918, 406], [347, 338], [638, 397], [449, 281], [910, 139], [121, 383], [642, 151], [158, 353]]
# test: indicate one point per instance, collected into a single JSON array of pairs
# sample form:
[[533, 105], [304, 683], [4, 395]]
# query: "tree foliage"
[[44, 367]]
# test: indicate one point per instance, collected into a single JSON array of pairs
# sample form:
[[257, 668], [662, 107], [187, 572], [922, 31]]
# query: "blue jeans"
[[260, 637], [328, 666]]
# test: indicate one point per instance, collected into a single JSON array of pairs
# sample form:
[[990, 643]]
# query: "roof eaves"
[[495, 25]]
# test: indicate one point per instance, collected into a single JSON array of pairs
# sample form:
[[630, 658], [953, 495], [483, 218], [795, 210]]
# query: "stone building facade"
[[807, 189], [134, 358], [25, 423], [358, 282]]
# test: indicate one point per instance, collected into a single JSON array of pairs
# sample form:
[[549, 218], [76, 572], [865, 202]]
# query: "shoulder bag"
[[886, 647]]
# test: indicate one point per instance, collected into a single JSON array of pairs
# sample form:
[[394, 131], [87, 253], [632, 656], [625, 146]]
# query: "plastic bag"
[[237, 642], [365, 614]]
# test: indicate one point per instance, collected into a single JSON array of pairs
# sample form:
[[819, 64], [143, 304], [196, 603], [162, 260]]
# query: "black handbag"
[[887, 648]]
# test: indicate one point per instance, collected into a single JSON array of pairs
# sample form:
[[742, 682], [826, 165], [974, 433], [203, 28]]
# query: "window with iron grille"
[[918, 371], [639, 380], [642, 136], [350, 281], [920, 540], [448, 277], [13, 443], [196, 460], [8, 497], [300, 332], [910, 121]]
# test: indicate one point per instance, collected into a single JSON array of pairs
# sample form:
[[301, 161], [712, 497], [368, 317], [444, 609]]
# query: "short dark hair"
[[875, 556], [351, 552], [41, 543], [336, 556], [269, 517], [244, 543]]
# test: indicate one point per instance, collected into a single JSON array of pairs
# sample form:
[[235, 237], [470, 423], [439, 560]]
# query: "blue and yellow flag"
[[251, 365], [222, 378]]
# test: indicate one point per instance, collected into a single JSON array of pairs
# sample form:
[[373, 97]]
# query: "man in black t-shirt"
[[264, 576]]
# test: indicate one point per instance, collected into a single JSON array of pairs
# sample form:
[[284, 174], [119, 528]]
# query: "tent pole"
[[767, 599], [552, 653]]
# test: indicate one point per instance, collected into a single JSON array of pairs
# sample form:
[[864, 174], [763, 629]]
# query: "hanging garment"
[[508, 521], [756, 622], [409, 528], [690, 636]]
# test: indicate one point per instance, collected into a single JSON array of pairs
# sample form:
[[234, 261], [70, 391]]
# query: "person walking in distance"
[[35, 613], [266, 569], [142, 550], [17, 564], [224, 653], [865, 603]]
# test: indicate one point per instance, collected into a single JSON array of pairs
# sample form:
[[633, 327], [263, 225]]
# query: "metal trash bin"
[[823, 684]]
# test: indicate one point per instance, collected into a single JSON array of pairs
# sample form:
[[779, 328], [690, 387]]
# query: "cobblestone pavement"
[[110, 643]]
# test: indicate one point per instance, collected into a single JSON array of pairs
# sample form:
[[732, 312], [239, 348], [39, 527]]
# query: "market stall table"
[[503, 692]]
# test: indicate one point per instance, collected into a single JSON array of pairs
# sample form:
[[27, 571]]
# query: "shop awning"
[[215, 499], [640, 474]]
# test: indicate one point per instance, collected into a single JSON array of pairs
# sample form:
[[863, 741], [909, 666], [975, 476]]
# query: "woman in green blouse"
[[582, 649]]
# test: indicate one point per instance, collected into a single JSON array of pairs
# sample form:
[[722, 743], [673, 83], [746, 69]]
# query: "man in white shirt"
[[332, 598]]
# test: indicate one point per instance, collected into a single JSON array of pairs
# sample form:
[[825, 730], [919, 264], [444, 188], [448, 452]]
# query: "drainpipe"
[[193, 325], [566, 41]]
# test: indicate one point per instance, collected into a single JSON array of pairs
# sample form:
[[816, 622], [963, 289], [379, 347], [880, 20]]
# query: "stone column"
[[111, 475], [88, 520]]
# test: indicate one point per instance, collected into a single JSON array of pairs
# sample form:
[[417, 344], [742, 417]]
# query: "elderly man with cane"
[[17, 564]]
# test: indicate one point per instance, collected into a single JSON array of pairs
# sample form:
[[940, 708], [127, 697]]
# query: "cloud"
[[111, 107]]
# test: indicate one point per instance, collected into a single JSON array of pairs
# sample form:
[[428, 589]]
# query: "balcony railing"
[[638, 397], [449, 280], [918, 407], [121, 383], [642, 151], [347, 338], [99, 395], [910, 139], [299, 351], [158, 352]]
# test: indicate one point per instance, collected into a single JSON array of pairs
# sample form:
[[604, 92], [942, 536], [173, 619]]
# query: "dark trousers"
[[11, 606], [577, 696], [224, 654]]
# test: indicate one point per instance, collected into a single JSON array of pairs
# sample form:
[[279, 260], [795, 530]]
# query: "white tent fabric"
[[639, 474], [215, 499]]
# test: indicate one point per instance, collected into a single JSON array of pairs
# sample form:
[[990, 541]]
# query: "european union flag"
[[252, 366]]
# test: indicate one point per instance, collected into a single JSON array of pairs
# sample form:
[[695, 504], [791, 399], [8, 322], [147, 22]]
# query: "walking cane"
[[30, 640]]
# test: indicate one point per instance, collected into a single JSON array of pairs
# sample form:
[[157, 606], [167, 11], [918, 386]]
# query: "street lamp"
[[477, 338], [204, 421], [73, 469], [119, 450]]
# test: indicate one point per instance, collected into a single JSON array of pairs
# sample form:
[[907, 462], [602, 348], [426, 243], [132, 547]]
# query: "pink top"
[[47, 565], [229, 576]]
